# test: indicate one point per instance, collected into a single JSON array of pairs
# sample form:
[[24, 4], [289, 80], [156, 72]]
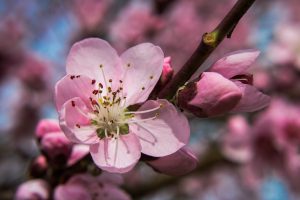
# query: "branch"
[[208, 44]]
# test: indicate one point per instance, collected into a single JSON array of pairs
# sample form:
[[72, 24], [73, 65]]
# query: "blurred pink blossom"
[[34, 190], [236, 144], [90, 13], [93, 99], [134, 25], [85, 186]]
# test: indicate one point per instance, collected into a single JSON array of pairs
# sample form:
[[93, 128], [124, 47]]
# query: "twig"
[[208, 44]]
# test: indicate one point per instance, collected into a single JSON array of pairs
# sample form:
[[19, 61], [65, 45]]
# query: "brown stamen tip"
[[110, 80], [143, 88], [100, 85], [77, 76], [128, 65], [93, 81], [120, 81], [72, 77], [95, 92], [109, 89], [77, 125], [151, 77], [73, 103], [101, 66], [94, 102]]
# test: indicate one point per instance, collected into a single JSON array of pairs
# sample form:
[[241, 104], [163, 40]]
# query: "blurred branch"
[[211, 159], [208, 44]]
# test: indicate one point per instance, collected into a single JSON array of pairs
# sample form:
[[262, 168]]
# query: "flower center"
[[110, 115]]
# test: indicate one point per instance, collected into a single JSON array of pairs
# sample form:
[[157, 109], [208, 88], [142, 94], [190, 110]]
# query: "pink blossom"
[[95, 99], [179, 163], [226, 87], [236, 144], [34, 189], [85, 186], [134, 24], [90, 13]]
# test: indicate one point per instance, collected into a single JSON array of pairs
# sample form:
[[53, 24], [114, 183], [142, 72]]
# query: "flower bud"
[[46, 126], [38, 167], [211, 95], [167, 72], [56, 147]]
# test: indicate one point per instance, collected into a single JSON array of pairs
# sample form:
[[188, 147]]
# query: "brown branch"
[[208, 44]]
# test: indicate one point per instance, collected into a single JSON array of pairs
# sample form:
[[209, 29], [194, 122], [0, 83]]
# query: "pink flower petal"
[[46, 126], [117, 155], [86, 56], [71, 86], [252, 99], [78, 152], [75, 122], [179, 163], [215, 95], [144, 64], [164, 135], [235, 63]]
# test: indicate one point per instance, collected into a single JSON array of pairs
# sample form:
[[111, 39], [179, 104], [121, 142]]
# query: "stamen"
[[139, 120], [117, 145], [105, 82], [144, 111]]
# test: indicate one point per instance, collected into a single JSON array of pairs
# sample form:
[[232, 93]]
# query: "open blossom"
[[96, 101], [226, 87]]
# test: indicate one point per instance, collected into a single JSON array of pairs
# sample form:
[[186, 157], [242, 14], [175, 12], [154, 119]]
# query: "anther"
[[100, 65], [128, 65], [110, 80], [95, 92], [73, 103], [151, 77], [72, 77], [143, 88], [77, 125], [120, 81], [109, 89], [93, 81], [100, 85], [77, 76]]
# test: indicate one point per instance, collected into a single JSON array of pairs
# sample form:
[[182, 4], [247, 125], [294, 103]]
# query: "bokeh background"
[[36, 35]]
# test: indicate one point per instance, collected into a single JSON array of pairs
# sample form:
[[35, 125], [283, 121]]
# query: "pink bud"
[[211, 95], [39, 166], [56, 147], [167, 72], [46, 126], [179, 163], [33, 190]]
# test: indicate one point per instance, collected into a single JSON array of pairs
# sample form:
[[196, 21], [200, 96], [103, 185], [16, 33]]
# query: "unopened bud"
[[211, 95], [57, 148]]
